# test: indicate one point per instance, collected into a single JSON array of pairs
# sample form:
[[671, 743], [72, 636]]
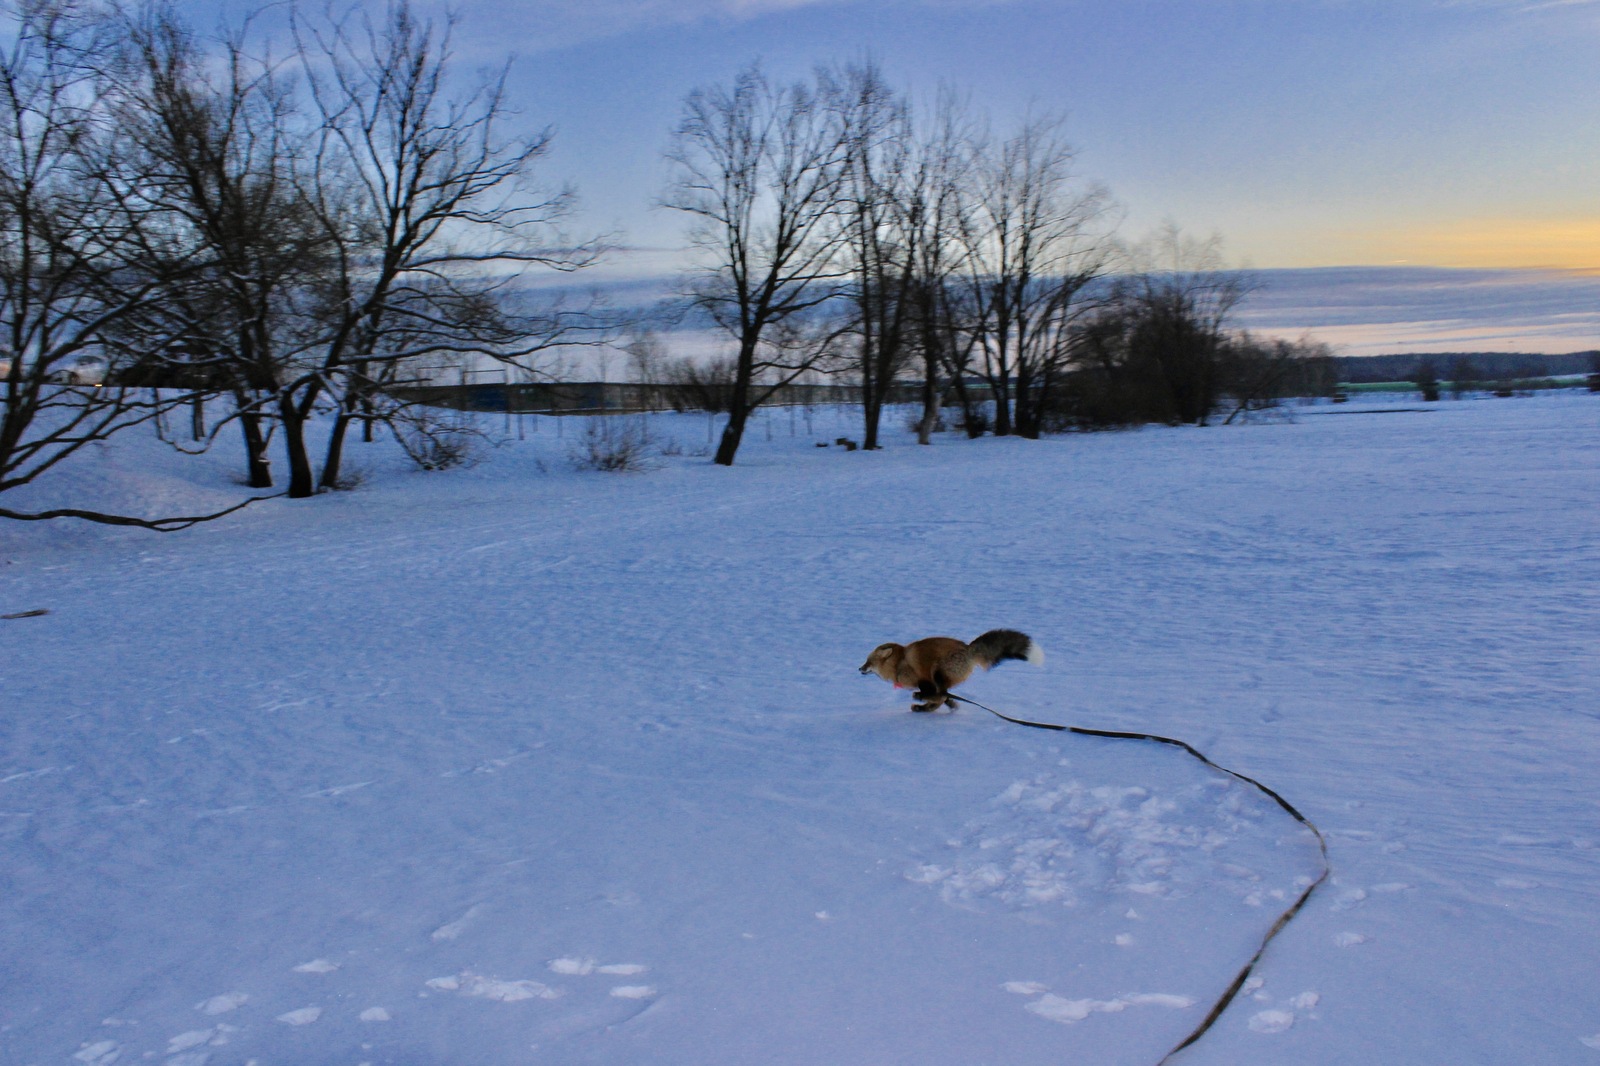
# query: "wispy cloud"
[[1522, 7], [557, 23], [1371, 310]]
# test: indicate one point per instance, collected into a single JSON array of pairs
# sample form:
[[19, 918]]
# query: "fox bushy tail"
[[998, 645]]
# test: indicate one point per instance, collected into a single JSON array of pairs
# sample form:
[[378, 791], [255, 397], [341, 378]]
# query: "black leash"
[[1283, 919]]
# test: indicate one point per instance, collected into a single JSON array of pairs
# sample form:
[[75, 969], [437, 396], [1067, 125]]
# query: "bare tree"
[[84, 263], [1464, 376], [1426, 378], [1157, 348], [698, 385], [938, 207], [760, 171], [1034, 239], [647, 364], [1179, 304], [225, 156], [1258, 373], [431, 211], [884, 222]]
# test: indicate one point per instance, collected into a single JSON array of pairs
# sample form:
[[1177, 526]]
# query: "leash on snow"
[[1283, 919]]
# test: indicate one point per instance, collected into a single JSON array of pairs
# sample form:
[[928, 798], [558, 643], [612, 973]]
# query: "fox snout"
[[866, 667]]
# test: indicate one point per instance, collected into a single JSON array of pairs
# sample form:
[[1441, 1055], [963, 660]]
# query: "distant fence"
[[610, 397]]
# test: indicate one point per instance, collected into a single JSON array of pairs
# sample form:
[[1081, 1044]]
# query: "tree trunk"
[[970, 420], [739, 405], [1026, 422], [871, 405], [330, 464], [301, 484], [255, 450], [732, 433], [930, 402], [873, 408], [1002, 407]]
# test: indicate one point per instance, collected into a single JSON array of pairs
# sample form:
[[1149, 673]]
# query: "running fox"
[[935, 665]]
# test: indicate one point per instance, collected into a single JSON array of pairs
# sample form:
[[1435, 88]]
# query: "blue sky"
[[1307, 133]]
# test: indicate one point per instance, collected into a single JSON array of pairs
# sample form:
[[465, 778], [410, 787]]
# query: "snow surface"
[[521, 764]]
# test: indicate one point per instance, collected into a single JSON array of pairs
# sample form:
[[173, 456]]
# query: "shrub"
[[613, 445], [437, 441]]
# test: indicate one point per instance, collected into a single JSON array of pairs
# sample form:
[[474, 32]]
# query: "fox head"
[[884, 661]]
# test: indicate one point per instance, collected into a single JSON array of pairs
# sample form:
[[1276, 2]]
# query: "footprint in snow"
[[100, 1053], [1069, 1011], [579, 967], [633, 992], [1278, 1020], [222, 1004], [317, 966], [1271, 1021], [583, 967], [1025, 988], [303, 1016], [1350, 897], [452, 930], [571, 967], [213, 1037], [472, 984]]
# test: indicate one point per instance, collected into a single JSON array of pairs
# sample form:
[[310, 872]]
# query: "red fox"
[[935, 665]]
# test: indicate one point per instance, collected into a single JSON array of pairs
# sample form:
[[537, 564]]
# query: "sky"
[[1306, 133]]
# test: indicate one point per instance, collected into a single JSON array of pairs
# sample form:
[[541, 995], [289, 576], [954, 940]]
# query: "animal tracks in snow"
[[513, 991], [578, 967], [189, 1048], [597, 995], [1048, 841], [1055, 842], [1281, 1018]]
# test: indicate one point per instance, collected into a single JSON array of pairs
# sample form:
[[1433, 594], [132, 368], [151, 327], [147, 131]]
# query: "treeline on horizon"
[[1465, 366]]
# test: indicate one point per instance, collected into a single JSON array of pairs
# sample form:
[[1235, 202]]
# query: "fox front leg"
[[932, 697]]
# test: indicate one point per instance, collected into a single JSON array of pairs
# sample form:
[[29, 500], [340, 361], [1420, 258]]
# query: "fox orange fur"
[[934, 665]]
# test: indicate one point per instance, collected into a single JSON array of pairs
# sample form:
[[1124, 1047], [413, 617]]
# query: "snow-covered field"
[[519, 764]]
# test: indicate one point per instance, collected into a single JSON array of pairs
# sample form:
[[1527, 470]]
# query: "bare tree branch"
[[160, 525]]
